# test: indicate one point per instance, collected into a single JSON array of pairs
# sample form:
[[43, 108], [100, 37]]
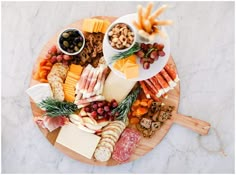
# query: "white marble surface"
[[202, 44]]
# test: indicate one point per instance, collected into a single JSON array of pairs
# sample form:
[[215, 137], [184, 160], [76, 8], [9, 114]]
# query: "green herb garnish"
[[124, 107], [56, 108], [125, 54]]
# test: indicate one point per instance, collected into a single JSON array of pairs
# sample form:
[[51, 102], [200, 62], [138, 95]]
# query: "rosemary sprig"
[[125, 54], [56, 108], [124, 107]]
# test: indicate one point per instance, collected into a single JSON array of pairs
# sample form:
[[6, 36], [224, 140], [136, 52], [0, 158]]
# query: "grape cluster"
[[55, 55], [149, 53], [101, 109]]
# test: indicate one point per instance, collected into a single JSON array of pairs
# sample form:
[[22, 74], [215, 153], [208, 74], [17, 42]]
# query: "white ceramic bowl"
[[67, 30], [132, 30]]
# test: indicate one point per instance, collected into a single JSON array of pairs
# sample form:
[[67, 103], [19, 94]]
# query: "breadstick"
[[163, 23], [157, 13], [140, 15], [148, 10], [147, 26], [137, 25]]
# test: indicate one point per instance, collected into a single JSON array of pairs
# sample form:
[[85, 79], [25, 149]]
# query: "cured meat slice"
[[162, 82], [168, 78], [158, 86], [126, 145], [88, 81], [92, 84], [171, 72], [82, 82], [145, 89], [51, 123], [91, 99]]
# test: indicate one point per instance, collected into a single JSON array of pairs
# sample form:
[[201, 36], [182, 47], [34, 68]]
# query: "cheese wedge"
[[116, 87], [39, 92], [81, 142]]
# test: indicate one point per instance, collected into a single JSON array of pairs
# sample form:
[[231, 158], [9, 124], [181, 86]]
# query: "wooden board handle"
[[194, 124]]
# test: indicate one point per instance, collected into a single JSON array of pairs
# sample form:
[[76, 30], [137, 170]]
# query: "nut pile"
[[121, 36], [71, 41]]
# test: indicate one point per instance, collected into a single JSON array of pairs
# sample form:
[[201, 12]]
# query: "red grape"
[[160, 47], [154, 54], [140, 54], [59, 58], [94, 114], [54, 49], [53, 59], [100, 111], [87, 109], [95, 106], [100, 104], [161, 53], [66, 57], [106, 108], [48, 56], [146, 65], [114, 104]]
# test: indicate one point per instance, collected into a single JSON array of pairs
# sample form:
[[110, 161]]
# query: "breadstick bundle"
[[147, 23]]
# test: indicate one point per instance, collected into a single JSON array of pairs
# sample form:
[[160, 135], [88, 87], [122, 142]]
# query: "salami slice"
[[126, 145]]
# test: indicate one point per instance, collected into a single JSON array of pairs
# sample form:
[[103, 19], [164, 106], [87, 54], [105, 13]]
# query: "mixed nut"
[[121, 36], [71, 41]]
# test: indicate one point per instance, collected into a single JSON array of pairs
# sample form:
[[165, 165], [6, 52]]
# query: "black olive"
[[72, 46]]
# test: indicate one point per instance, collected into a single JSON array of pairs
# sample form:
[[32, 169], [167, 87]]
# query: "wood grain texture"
[[146, 144]]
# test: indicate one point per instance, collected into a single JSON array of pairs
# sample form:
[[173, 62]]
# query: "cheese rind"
[[39, 92], [81, 142]]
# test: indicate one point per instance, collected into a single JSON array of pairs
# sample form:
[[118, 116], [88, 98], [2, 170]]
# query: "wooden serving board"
[[146, 144]]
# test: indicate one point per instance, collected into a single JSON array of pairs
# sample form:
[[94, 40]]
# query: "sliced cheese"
[[131, 71], [39, 92], [73, 75], [116, 87], [77, 69], [81, 142]]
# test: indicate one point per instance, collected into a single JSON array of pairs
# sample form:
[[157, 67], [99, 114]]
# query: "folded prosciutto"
[[126, 145], [51, 123]]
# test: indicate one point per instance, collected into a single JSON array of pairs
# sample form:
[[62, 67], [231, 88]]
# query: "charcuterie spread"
[[105, 85]]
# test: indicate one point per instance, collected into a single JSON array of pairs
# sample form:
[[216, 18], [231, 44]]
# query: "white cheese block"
[[39, 92], [81, 142], [116, 87]]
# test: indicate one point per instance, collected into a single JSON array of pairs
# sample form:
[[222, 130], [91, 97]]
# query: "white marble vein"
[[202, 44]]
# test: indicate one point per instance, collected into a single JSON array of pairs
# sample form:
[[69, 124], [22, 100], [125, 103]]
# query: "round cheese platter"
[[93, 113]]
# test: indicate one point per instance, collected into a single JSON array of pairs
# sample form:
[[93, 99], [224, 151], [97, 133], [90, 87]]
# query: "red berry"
[[109, 104]]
